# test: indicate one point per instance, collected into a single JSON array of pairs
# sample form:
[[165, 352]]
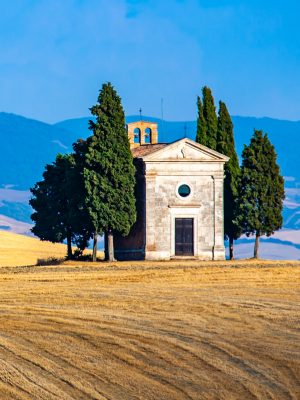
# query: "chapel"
[[179, 199]]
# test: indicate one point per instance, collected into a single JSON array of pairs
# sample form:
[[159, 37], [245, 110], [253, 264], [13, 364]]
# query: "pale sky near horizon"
[[55, 55]]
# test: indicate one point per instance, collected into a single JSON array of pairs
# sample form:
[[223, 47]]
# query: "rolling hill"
[[27, 145], [17, 250], [283, 134]]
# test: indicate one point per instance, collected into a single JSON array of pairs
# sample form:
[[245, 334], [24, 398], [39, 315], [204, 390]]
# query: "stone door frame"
[[183, 212]]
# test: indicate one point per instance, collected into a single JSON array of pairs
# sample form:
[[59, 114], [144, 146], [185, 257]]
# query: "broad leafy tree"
[[59, 209], [109, 173], [261, 190], [225, 145], [85, 223]]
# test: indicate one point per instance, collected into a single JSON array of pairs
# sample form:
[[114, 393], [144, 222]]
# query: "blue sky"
[[55, 55]]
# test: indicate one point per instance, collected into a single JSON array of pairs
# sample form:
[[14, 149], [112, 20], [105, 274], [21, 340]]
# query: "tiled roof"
[[145, 149]]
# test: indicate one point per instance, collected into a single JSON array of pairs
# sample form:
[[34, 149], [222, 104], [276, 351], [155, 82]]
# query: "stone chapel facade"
[[179, 196]]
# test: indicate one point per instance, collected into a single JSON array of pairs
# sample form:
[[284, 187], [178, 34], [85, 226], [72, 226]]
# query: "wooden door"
[[184, 236]]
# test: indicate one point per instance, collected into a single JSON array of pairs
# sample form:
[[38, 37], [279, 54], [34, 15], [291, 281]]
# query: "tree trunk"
[[111, 246], [69, 247], [95, 247], [231, 256], [105, 246], [256, 246]]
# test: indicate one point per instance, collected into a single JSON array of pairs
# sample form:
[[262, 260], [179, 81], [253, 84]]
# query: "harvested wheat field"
[[19, 250], [16, 250], [150, 331]]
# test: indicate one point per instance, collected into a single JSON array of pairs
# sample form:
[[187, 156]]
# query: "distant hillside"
[[12, 225], [27, 145], [283, 134]]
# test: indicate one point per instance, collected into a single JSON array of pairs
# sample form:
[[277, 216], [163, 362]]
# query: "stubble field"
[[18, 250], [150, 331]]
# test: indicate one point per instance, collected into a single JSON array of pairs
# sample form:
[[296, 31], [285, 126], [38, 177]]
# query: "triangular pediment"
[[185, 150]]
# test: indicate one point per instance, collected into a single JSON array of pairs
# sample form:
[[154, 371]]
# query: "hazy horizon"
[[146, 116]]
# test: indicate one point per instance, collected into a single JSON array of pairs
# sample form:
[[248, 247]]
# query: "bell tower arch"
[[142, 133]]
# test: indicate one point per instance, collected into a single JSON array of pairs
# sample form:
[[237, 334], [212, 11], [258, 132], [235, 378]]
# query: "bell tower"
[[141, 133]]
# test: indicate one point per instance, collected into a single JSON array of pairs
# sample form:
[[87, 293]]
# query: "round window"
[[184, 190]]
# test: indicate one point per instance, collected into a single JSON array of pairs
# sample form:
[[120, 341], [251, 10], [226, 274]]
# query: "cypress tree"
[[261, 191], [109, 173], [210, 117], [201, 125], [225, 145]]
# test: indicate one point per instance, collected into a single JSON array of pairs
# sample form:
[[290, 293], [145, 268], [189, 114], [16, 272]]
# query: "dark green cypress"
[[201, 125], [210, 117], [261, 190], [109, 172], [225, 145]]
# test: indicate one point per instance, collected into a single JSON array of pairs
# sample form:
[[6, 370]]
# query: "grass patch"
[[50, 261]]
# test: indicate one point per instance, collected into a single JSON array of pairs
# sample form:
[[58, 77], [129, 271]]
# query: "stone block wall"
[[204, 205]]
